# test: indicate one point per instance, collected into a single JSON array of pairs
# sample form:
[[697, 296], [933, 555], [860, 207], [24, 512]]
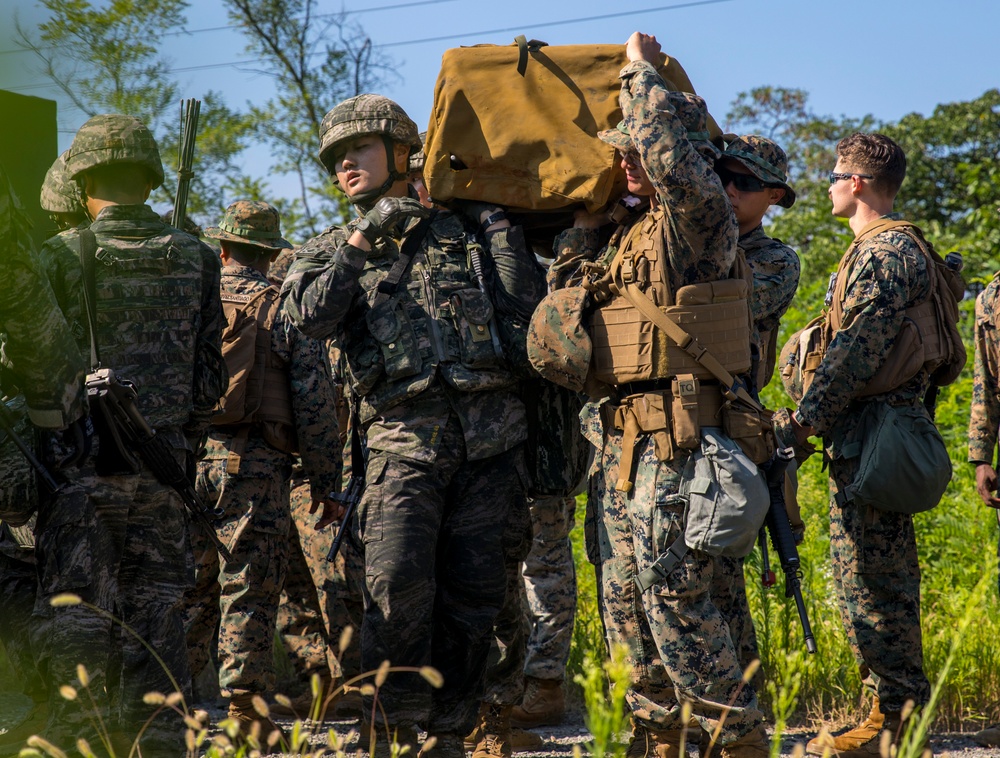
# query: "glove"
[[474, 210], [78, 438], [383, 220]]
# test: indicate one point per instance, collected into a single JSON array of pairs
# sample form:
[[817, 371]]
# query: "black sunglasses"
[[835, 177], [742, 182]]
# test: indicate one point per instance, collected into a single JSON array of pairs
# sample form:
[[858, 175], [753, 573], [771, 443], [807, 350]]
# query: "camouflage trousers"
[[729, 595], [18, 587], [121, 544], [505, 670], [238, 600], [678, 642], [434, 575], [319, 599], [875, 568], [550, 587]]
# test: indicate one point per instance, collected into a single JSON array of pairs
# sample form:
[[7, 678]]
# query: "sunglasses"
[[742, 182], [835, 177]]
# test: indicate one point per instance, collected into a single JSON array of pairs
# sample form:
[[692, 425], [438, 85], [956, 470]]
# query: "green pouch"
[[904, 466]]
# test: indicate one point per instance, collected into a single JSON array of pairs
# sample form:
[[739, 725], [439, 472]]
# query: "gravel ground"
[[559, 741]]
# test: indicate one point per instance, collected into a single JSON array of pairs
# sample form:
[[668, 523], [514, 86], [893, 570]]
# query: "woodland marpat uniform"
[[984, 419]]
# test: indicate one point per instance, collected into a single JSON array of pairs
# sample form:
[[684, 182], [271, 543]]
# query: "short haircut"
[[131, 178], [877, 155]]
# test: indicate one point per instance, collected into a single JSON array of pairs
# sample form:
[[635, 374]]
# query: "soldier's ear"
[[777, 193]]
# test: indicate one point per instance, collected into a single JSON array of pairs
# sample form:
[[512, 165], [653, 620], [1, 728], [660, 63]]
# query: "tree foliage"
[[317, 60], [105, 59]]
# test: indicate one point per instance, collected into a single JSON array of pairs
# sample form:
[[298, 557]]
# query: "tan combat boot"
[[988, 737], [491, 736], [750, 745], [864, 737], [254, 721], [653, 743], [543, 704]]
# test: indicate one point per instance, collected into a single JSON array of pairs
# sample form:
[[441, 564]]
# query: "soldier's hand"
[[986, 484], [78, 439], [333, 511], [582, 219], [384, 219], [643, 47]]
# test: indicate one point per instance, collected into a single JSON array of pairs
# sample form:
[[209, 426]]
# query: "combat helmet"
[[59, 192], [114, 138], [361, 115], [419, 158]]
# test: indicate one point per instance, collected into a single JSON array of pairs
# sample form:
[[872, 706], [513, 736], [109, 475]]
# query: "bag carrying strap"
[[662, 566], [407, 253], [88, 259], [731, 388]]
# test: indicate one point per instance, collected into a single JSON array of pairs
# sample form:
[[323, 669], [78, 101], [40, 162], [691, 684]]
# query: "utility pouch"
[[684, 411], [751, 429], [114, 457], [473, 316], [391, 329], [638, 414]]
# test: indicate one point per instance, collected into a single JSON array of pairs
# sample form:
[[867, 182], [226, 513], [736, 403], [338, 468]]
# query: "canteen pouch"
[[727, 497], [751, 429], [904, 465]]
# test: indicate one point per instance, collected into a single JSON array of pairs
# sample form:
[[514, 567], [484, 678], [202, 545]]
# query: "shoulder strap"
[[731, 388], [407, 252], [88, 254]]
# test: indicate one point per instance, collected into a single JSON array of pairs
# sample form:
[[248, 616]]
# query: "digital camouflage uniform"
[[251, 486], [550, 587], [443, 453], [121, 541], [60, 197], [43, 362], [679, 644], [874, 552], [319, 599], [776, 270], [984, 418]]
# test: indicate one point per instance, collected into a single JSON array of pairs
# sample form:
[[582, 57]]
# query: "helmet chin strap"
[[365, 201]]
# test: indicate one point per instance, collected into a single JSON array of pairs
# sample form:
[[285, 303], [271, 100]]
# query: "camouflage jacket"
[[888, 276], [159, 317], [984, 418], [775, 269], [312, 394], [429, 339], [700, 227], [39, 349]]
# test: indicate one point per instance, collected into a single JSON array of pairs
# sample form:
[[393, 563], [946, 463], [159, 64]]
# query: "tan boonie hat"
[[619, 137], [252, 223], [764, 159]]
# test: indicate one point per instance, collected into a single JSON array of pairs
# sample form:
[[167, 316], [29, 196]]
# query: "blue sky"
[[854, 57]]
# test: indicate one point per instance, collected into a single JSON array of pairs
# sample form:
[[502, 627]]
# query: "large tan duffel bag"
[[522, 122]]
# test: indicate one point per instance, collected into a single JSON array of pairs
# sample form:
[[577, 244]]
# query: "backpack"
[[258, 391]]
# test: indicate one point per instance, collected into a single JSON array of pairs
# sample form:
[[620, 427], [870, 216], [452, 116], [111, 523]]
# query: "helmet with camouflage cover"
[[361, 115], [113, 138], [59, 192], [419, 158], [764, 159]]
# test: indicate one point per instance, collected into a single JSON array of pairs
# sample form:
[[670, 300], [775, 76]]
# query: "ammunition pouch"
[[750, 428]]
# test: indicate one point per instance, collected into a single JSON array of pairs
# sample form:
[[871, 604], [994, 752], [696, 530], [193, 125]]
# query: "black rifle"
[[119, 401], [185, 159], [776, 524], [7, 423], [355, 488]]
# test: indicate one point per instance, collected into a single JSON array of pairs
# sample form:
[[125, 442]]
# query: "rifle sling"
[[88, 260], [407, 253]]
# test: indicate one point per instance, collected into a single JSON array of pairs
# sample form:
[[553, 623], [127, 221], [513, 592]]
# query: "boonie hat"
[[251, 222], [764, 159]]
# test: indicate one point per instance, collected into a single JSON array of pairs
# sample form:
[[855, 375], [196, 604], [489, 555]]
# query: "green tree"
[[316, 60], [104, 58]]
